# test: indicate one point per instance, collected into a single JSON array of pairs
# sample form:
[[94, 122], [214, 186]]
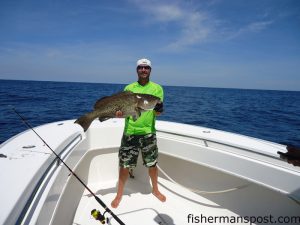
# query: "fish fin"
[[98, 102], [102, 98], [101, 119], [119, 94], [85, 121], [122, 93]]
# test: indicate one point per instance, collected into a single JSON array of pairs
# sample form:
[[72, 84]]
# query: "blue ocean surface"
[[264, 114]]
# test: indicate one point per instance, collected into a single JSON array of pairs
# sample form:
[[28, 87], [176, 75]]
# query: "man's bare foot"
[[159, 195], [115, 203]]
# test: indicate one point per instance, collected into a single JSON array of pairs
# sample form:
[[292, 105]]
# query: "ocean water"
[[268, 115]]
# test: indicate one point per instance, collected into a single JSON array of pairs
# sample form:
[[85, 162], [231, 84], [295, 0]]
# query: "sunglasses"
[[143, 67]]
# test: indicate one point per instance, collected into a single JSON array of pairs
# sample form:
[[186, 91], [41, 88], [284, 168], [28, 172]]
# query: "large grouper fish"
[[129, 103]]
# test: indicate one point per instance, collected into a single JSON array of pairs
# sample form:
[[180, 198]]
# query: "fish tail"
[[85, 121]]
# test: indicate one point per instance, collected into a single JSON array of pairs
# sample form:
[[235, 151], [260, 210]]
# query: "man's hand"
[[159, 108], [119, 114]]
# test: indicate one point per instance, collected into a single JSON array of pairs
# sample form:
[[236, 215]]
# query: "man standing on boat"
[[140, 134]]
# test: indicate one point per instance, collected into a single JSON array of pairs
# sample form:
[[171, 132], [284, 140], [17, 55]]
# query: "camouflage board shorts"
[[132, 144]]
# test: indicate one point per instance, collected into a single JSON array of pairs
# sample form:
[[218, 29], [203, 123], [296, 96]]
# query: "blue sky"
[[208, 43]]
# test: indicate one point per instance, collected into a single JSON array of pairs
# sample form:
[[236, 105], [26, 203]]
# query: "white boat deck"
[[232, 197], [139, 206]]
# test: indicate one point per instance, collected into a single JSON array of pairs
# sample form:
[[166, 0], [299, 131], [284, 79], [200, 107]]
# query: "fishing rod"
[[95, 213]]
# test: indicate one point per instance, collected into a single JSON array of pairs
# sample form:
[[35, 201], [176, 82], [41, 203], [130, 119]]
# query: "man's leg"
[[153, 173], [123, 175], [150, 155], [128, 154]]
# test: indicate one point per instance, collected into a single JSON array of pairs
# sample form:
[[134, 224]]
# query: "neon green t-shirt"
[[145, 124]]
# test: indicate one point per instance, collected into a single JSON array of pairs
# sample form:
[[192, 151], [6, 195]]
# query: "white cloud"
[[194, 30], [192, 26], [166, 13], [258, 26], [252, 27]]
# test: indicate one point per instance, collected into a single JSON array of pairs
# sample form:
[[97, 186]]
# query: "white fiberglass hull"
[[235, 176]]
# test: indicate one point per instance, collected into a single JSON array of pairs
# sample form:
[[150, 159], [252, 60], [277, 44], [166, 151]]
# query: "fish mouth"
[[148, 107]]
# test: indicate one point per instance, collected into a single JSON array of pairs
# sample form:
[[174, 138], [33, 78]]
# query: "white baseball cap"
[[144, 62]]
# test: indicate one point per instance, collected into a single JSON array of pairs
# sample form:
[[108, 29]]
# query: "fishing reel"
[[98, 216]]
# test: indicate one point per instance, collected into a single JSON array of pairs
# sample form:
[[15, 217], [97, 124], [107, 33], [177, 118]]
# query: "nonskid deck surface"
[[139, 206]]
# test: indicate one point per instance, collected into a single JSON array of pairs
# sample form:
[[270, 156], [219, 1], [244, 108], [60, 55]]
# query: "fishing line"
[[107, 210], [198, 191]]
